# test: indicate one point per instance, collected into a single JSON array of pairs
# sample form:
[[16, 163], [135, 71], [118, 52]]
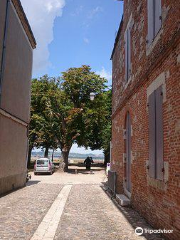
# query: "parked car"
[[43, 165]]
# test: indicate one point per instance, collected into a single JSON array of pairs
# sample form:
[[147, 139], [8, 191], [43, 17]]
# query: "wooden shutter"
[[158, 18], [159, 134], [150, 9], [152, 129], [129, 51], [126, 56]]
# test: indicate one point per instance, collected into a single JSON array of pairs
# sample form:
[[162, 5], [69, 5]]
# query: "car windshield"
[[42, 162]]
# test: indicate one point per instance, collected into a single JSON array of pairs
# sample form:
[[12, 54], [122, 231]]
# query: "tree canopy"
[[63, 114]]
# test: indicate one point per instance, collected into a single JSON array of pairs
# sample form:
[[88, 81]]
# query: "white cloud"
[[41, 15], [105, 74], [94, 11], [86, 40]]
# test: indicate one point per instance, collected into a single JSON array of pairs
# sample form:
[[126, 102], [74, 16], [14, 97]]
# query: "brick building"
[[16, 55], [146, 110]]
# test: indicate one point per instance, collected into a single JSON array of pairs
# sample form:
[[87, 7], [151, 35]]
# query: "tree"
[[76, 84], [107, 128], [41, 129], [62, 113], [35, 125], [98, 124]]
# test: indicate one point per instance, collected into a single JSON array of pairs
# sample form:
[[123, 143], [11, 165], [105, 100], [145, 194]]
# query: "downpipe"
[[4, 47]]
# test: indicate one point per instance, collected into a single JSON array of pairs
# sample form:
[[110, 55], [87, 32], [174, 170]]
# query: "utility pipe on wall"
[[4, 47]]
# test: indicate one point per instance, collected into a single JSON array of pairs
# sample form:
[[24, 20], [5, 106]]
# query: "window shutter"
[[158, 14], [126, 56], [159, 134], [152, 153], [150, 8], [129, 51]]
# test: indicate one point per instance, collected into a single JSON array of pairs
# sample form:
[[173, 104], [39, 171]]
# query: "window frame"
[[154, 13]]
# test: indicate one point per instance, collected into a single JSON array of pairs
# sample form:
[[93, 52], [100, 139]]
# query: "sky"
[[71, 33]]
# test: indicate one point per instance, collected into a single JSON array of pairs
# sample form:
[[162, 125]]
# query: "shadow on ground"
[[31, 182], [80, 168], [132, 216], [83, 171], [100, 165]]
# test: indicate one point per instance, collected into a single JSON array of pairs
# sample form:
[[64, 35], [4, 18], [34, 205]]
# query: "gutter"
[[4, 47]]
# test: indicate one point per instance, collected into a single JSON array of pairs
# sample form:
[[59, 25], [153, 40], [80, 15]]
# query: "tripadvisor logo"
[[139, 231]]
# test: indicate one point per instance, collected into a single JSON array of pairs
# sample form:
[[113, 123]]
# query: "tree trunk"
[[65, 156], [53, 155], [29, 157], [46, 152]]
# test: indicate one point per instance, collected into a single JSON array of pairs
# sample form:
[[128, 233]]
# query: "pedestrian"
[[88, 161]]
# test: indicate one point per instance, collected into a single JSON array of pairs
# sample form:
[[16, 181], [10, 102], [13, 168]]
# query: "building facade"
[[146, 111], [16, 55]]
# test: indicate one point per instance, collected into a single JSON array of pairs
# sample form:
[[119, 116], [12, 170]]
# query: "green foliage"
[[98, 123], [84, 118], [62, 113], [42, 124], [78, 83]]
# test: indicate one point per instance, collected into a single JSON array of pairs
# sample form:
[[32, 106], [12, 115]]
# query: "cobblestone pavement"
[[88, 214], [22, 211]]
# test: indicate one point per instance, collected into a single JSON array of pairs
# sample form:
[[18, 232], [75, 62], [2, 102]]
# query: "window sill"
[[128, 82], [150, 46], [156, 183]]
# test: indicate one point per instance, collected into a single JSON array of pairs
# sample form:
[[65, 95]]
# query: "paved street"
[[67, 206]]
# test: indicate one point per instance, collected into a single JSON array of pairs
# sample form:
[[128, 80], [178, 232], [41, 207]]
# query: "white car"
[[43, 165]]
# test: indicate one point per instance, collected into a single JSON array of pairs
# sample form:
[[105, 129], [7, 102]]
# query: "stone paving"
[[22, 211], [89, 213]]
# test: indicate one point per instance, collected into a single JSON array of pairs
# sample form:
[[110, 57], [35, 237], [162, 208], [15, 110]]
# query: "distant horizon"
[[76, 150], [71, 153]]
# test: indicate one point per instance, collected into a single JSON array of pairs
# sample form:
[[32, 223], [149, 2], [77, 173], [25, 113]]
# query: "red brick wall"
[[158, 201]]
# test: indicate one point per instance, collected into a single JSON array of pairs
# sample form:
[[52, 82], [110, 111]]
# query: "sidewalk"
[[67, 206]]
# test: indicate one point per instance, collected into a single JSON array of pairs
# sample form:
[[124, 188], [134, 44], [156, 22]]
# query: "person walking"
[[88, 161]]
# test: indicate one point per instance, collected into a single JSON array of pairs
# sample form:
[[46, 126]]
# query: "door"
[[128, 153]]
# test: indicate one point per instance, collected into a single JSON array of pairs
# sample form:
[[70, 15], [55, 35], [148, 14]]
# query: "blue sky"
[[71, 33], [85, 35]]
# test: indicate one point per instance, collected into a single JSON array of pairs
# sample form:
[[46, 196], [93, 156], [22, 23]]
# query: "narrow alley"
[[69, 206]]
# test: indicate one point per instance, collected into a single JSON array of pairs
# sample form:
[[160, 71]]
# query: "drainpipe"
[[4, 47]]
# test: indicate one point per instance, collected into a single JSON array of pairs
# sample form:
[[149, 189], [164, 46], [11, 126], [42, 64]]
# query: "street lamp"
[[92, 96]]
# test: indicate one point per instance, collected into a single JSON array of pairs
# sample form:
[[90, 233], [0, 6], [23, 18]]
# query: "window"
[[154, 18], [127, 54], [156, 163]]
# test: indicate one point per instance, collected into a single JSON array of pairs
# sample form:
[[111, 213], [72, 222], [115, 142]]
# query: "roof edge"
[[25, 23], [117, 37]]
